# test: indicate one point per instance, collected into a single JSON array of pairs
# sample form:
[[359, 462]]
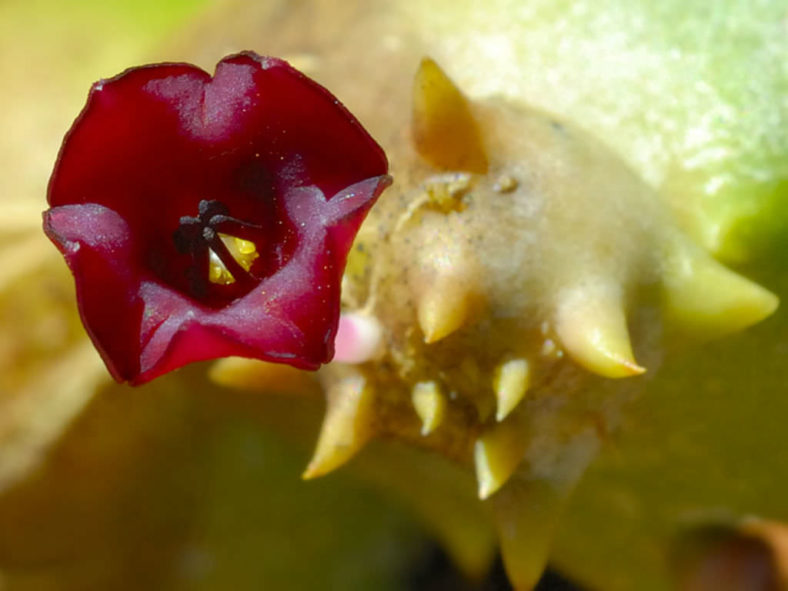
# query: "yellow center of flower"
[[243, 251]]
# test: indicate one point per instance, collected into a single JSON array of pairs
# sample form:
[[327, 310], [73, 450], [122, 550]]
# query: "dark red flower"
[[204, 217]]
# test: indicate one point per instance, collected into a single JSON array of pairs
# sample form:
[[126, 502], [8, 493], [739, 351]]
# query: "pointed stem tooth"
[[511, 382], [446, 283], [430, 405], [444, 129], [708, 299], [591, 325], [347, 426], [526, 512], [443, 308], [497, 453]]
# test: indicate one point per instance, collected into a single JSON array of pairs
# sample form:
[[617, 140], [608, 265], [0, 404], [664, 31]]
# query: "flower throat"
[[211, 235]]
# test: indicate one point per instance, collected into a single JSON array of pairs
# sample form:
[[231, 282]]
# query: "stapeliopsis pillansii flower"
[[210, 216], [515, 298]]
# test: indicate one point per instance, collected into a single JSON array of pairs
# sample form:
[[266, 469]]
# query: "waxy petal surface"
[[295, 171]]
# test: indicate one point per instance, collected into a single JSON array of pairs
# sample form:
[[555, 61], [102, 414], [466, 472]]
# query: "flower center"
[[243, 251], [218, 257]]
